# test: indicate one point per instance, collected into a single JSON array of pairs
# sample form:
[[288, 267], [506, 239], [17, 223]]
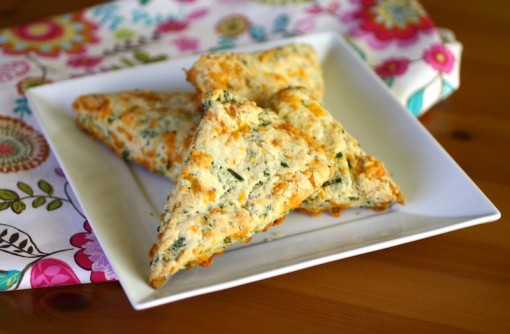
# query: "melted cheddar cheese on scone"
[[244, 171], [150, 128], [360, 180], [258, 75]]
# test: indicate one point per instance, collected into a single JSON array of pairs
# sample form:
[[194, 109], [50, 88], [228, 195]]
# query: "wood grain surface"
[[453, 283]]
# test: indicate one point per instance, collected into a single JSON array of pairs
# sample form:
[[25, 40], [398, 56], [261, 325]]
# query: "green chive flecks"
[[234, 174], [206, 105], [333, 181]]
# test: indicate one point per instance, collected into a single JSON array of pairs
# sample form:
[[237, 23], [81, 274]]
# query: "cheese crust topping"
[[360, 180], [150, 128], [245, 170], [258, 75]]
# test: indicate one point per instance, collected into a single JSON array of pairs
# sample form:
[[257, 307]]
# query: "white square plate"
[[123, 202]]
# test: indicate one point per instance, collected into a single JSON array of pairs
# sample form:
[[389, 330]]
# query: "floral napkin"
[[45, 239]]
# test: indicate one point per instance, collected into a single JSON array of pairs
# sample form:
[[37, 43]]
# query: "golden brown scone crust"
[[150, 128], [245, 169], [258, 75], [360, 180]]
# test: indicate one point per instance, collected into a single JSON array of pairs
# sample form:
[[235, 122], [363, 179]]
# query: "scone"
[[245, 170], [258, 75], [150, 128], [360, 180]]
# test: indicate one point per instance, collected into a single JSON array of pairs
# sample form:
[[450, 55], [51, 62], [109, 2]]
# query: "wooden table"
[[456, 282]]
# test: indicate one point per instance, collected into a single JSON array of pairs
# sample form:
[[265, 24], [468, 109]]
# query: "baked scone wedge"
[[150, 128], [258, 75], [360, 180], [244, 171]]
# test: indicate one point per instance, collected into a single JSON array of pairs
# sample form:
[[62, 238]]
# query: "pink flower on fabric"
[[332, 8], [176, 25], [186, 44], [52, 272], [84, 61], [13, 69], [197, 14], [439, 57], [172, 26], [91, 257], [303, 25], [384, 22], [393, 67]]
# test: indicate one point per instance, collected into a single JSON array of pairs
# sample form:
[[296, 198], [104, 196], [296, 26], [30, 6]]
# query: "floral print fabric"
[[50, 37], [45, 239]]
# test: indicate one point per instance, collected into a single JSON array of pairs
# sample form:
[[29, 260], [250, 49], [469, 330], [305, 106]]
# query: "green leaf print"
[[18, 206], [25, 188], [18, 202], [53, 205], [8, 195], [9, 278], [46, 187], [38, 202]]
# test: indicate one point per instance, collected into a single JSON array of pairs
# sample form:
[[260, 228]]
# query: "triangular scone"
[[360, 180], [245, 169], [258, 75], [150, 128]]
